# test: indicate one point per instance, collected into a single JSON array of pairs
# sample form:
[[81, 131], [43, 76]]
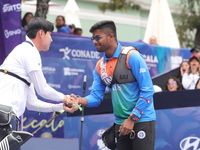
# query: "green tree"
[[121, 5], [188, 26]]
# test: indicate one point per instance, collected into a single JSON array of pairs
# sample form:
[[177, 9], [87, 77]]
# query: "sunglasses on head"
[[97, 37]]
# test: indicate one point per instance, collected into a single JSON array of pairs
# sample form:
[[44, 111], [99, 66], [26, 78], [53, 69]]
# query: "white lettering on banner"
[[100, 144], [11, 33], [190, 142], [66, 71], [66, 51], [72, 71], [74, 86], [48, 70], [176, 61], [76, 53], [150, 58], [100, 132], [9, 8], [54, 85], [85, 54]]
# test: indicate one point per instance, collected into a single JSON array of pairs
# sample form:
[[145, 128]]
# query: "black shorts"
[[144, 137]]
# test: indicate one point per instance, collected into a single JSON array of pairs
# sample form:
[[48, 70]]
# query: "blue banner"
[[10, 26], [176, 129]]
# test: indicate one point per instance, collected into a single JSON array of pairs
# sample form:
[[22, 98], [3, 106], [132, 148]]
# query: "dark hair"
[[177, 81], [24, 23], [76, 30], [72, 26], [36, 24], [107, 26], [63, 18]]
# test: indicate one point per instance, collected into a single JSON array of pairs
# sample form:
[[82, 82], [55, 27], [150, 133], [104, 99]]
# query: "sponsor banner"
[[10, 27], [176, 129]]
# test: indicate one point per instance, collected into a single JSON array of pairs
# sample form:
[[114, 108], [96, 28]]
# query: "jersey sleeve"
[[98, 89], [142, 75]]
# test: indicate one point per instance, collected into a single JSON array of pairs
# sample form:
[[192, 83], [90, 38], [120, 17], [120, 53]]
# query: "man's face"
[[153, 41], [46, 41], [196, 53], [100, 40]]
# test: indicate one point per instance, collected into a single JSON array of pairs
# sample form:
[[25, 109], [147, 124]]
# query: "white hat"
[[157, 88]]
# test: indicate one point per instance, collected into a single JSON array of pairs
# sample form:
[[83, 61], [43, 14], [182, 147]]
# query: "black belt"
[[16, 76]]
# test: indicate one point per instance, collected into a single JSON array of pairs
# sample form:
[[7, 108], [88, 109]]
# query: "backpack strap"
[[122, 74], [16, 76]]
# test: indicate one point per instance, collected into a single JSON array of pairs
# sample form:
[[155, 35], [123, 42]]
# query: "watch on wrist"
[[134, 117]]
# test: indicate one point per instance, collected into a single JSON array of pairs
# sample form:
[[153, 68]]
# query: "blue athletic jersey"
[[135, 97]]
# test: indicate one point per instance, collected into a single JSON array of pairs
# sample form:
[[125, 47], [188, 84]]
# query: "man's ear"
[[112, 36], [40, 33]]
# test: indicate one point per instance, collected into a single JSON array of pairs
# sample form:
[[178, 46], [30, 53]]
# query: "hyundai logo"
[[190, 142]]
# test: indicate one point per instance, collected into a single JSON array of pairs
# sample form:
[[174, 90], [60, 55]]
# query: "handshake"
[[71, 103]]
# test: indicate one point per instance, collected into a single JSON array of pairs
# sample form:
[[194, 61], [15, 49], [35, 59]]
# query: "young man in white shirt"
[[21, 74]]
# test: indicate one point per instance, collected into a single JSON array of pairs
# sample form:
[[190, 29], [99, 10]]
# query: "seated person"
[[72, 28], [25, 20], [61, 25], [153, 40], [196, 51], [78, 31], [190, 78], [184, 68], [172, 84]]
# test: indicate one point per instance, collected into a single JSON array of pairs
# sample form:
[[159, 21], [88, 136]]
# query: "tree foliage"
[[188, 26], [121, 5]]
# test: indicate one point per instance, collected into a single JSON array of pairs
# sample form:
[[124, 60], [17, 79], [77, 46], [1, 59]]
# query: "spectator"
[[172, 84], [153, 40], [27, 17], [184, 68], [198, 84], [72, 28], [78, 31], [61, 25], [196, 51], [189, 79]]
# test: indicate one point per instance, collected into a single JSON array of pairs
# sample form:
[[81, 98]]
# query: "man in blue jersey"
[[124, 70]]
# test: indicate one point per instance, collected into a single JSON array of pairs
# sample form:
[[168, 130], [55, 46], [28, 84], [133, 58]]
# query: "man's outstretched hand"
[[71, 103]]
